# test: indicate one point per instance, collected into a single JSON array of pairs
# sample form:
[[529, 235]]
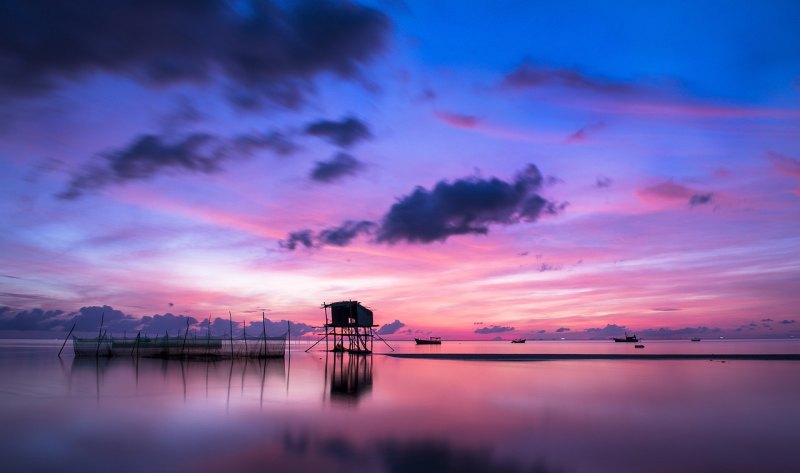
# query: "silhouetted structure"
[[350, 325]]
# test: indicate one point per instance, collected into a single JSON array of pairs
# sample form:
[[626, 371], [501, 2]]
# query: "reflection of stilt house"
[[350, 326], [351, 377]]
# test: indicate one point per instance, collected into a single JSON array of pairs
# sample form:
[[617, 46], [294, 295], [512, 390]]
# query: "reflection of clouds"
[[443, 457], [419, 416], [342, 453]]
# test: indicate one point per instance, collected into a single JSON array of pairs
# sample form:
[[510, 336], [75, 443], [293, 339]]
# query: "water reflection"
[[350, 376], [122, 377], [356, 413], [393, 455]]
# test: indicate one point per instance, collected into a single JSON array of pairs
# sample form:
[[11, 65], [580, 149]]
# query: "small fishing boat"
[[518, 340], [627, 338], [429, 341], [695, 339]]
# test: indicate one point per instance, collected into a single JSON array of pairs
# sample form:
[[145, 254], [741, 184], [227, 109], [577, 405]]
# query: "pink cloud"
[[666, 190], [722, 172], [225, 219], [582, 133], [458, 120], [784, 164], [530, 75]]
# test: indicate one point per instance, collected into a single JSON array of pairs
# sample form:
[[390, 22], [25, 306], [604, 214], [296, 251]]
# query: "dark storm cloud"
[[493, 329], [530, 75], [562, 330], [700, 199], [343, 234], [345, 133], [258, 47], [147, 156], [786, 322], [336, 168], [391, 327], [465, 206]]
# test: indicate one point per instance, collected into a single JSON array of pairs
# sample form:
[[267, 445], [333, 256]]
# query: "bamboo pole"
[[99, 334], [264, 325], [244, 336], [208, 348], [136, 345], [65, 340], [381, 339], [230, 320], [184, 337]]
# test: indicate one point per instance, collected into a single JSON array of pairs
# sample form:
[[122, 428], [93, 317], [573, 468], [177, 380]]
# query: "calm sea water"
[[319, 412]]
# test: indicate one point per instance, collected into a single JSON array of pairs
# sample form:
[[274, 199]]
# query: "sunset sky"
[[465, 169]]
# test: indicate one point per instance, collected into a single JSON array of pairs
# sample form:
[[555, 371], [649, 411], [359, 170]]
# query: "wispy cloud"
[[533, 75]]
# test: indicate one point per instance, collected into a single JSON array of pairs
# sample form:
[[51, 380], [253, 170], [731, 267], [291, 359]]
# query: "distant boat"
[[627, 338], [429, 341], [638, 346], [695, 339], [518, 340]]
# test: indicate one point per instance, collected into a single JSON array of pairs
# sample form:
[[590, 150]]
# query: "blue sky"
[[172, 166]]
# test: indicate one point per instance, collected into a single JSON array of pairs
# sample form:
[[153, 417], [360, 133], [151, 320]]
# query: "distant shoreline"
[[591, 356]]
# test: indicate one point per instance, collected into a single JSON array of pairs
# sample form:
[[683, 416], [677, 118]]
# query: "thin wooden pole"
[[325, 306], [381, 339], [318, 342], [184, 339], [99, 334], [230, 319], [244, 336], [208, 347], [65, 340], [264, 325], [136, 345], [289, 365]]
